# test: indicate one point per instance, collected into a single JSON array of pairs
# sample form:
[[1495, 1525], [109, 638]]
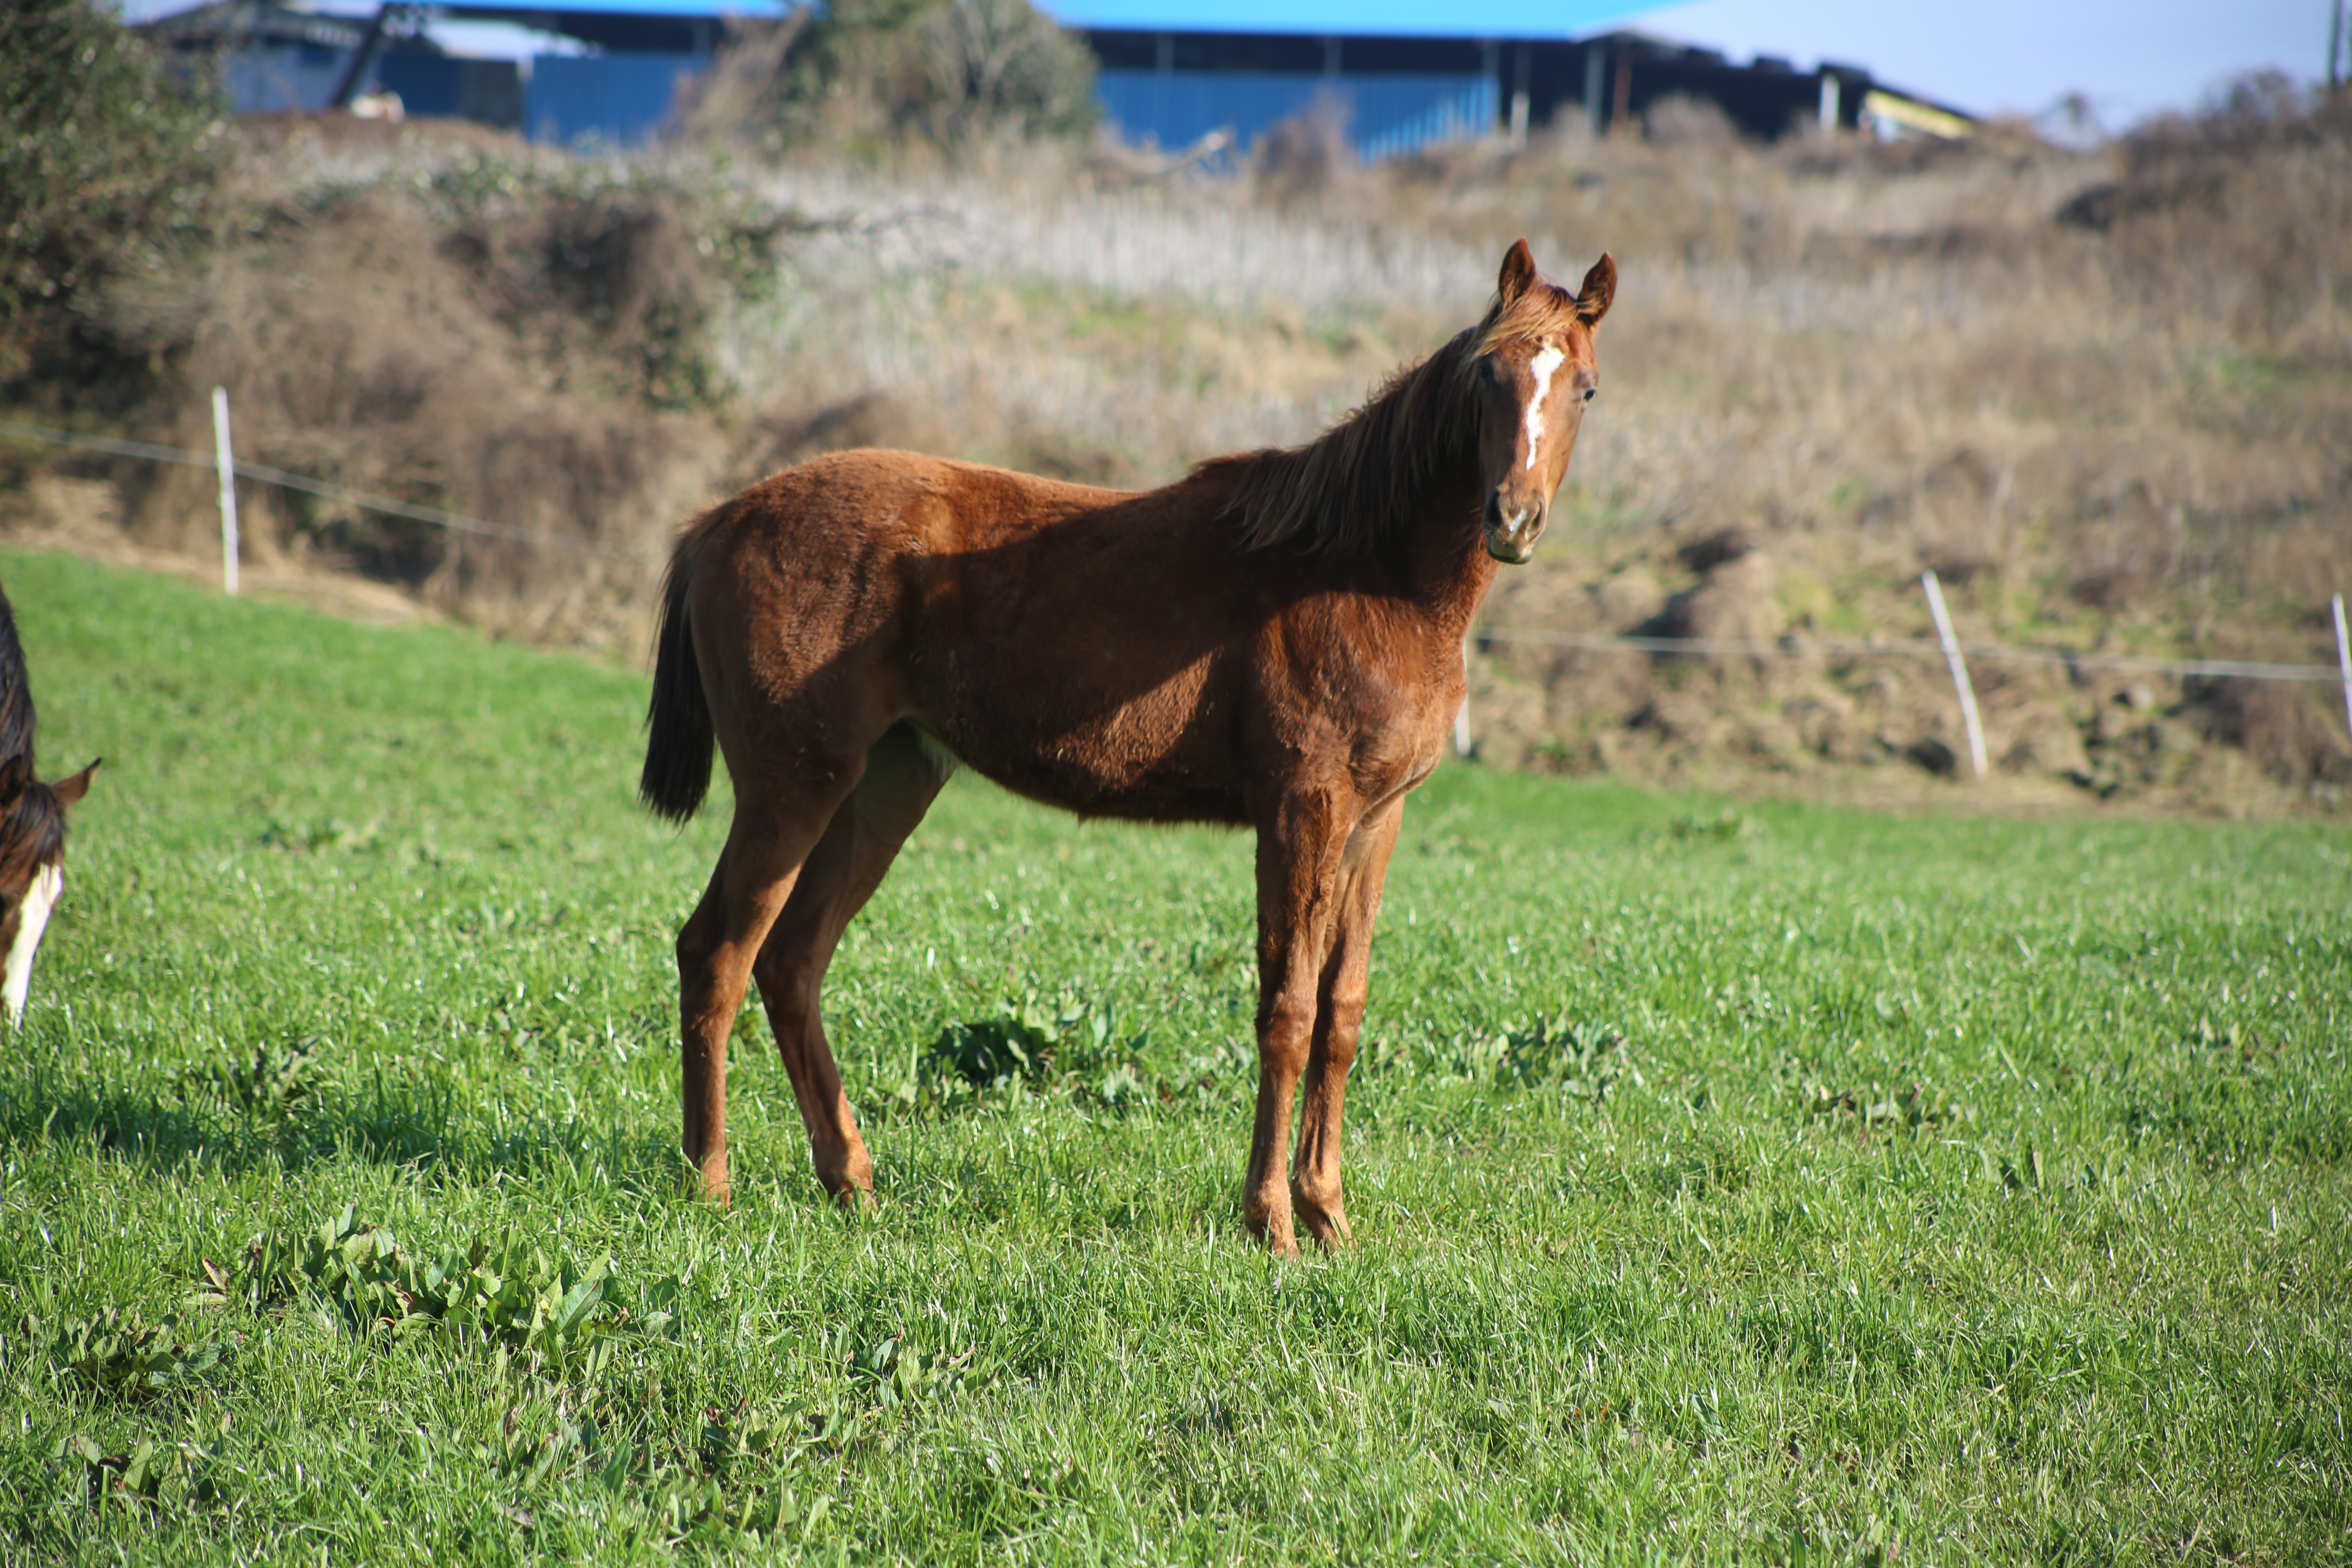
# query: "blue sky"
[[2129, 59]]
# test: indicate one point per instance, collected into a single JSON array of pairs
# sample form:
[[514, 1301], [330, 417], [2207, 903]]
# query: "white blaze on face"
[[39, 899], [1548, 360]]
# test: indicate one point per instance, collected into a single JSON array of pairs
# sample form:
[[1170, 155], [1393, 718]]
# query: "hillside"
[[2106, 396]]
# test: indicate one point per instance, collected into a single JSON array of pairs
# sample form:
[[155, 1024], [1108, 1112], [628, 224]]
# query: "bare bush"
[[866, 75], [1304, 156], [1681, 120]]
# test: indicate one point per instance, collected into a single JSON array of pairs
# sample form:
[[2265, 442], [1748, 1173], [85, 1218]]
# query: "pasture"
[[1731, 1182]]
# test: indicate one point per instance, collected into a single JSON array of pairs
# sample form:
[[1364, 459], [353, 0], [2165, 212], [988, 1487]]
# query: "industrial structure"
[[606, 71]]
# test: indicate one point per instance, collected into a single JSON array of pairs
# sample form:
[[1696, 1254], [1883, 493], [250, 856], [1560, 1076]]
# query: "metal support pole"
[[1519, 97], [225, 459], [1960, 670]]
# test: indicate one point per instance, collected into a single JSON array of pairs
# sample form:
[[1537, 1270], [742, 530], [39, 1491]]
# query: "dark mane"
[[15, 691], [34, 834], [1355, 486]]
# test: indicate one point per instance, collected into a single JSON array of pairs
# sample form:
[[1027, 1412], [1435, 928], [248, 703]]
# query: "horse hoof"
[[1330, 1230], [1274, 1233]]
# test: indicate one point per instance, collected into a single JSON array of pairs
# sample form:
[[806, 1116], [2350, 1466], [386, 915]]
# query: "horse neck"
[[1447, 568]]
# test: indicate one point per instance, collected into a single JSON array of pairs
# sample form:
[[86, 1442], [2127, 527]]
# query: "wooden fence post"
[[224, 458], [1960, 670]]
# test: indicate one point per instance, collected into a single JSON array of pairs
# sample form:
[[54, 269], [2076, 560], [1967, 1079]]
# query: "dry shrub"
[[1681, 120], [869, 75], [1303, 156], [533, 362], [2296, 733]]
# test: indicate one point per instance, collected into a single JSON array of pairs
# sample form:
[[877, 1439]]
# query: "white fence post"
[[2344, 660], [225, 459], [1960, 670]]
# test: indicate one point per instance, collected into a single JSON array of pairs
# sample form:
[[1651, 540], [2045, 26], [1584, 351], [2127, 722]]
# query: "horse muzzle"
[[1512, 529]]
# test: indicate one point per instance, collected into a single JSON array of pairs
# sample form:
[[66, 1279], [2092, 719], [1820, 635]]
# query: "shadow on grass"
[[172, 1126]]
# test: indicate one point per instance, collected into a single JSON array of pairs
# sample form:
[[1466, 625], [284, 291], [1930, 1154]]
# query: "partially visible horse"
[[1274, 641], [32, 823]]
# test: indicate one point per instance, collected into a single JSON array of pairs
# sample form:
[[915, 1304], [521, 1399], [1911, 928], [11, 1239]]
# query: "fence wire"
[[1751, 648], [1806, 647], [456, 522]]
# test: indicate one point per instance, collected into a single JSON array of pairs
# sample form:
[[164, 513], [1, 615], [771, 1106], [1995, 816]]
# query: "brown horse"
[[1273, 641], [32, 825]]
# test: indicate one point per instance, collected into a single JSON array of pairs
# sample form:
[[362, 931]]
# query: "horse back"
[[1116, 653]]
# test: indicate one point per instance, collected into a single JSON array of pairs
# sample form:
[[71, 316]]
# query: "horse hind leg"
[[766, 847], [902, 777]]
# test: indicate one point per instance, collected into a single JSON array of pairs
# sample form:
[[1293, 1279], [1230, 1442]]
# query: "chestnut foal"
[[1273, 641]]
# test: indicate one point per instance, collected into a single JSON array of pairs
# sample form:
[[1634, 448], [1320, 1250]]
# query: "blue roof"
[[623, 7], [1392, 18]]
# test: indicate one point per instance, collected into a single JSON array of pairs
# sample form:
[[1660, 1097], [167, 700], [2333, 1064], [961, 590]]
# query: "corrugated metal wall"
[[1386, 114], [619, 99], [275, 77]]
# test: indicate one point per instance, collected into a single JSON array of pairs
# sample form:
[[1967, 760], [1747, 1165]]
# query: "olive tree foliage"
[[867, 74], [107, 160]]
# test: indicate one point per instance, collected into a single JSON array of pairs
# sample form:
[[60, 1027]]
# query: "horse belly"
[[1165, 755]]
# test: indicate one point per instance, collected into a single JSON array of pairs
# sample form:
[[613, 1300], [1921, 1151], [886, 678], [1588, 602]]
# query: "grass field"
[[1732, 1183]]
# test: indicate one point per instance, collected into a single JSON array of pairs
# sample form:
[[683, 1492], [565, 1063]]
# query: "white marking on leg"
[[39, 899], [1548, 360]]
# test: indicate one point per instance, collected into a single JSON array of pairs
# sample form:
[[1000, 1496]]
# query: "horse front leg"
[[1299, 854], [1316, 1194]]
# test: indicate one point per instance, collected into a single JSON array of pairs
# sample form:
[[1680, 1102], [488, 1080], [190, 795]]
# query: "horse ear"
[[70, 791], [15, 774], [1519, 273], [1599, 288]]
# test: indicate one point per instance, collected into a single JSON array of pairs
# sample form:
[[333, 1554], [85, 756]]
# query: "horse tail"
[[679, 740]]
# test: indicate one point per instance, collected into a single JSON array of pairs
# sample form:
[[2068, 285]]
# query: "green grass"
[[1740, 1183]]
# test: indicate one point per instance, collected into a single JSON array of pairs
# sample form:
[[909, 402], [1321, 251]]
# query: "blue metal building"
[[1171, 71]]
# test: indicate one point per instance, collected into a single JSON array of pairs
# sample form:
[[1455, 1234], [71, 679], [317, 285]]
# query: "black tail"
[[678, 747]]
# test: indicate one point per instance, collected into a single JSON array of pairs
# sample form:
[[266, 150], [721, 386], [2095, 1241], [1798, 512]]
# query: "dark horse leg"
[[1301, 848], [842, 873], [1314, 1189]]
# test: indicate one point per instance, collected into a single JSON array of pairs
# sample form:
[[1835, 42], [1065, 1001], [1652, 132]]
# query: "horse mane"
[[1356, 487], [15, 691], [34, 834]]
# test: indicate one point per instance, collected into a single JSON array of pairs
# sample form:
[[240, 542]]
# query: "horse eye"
[[1589, 392], [1488, 374]]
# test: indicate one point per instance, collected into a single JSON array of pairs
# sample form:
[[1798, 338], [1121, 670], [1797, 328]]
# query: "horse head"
[[32, 864], [1532, 363]]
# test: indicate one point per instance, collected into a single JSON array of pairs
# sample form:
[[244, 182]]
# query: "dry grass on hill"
[[2107, 396]]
